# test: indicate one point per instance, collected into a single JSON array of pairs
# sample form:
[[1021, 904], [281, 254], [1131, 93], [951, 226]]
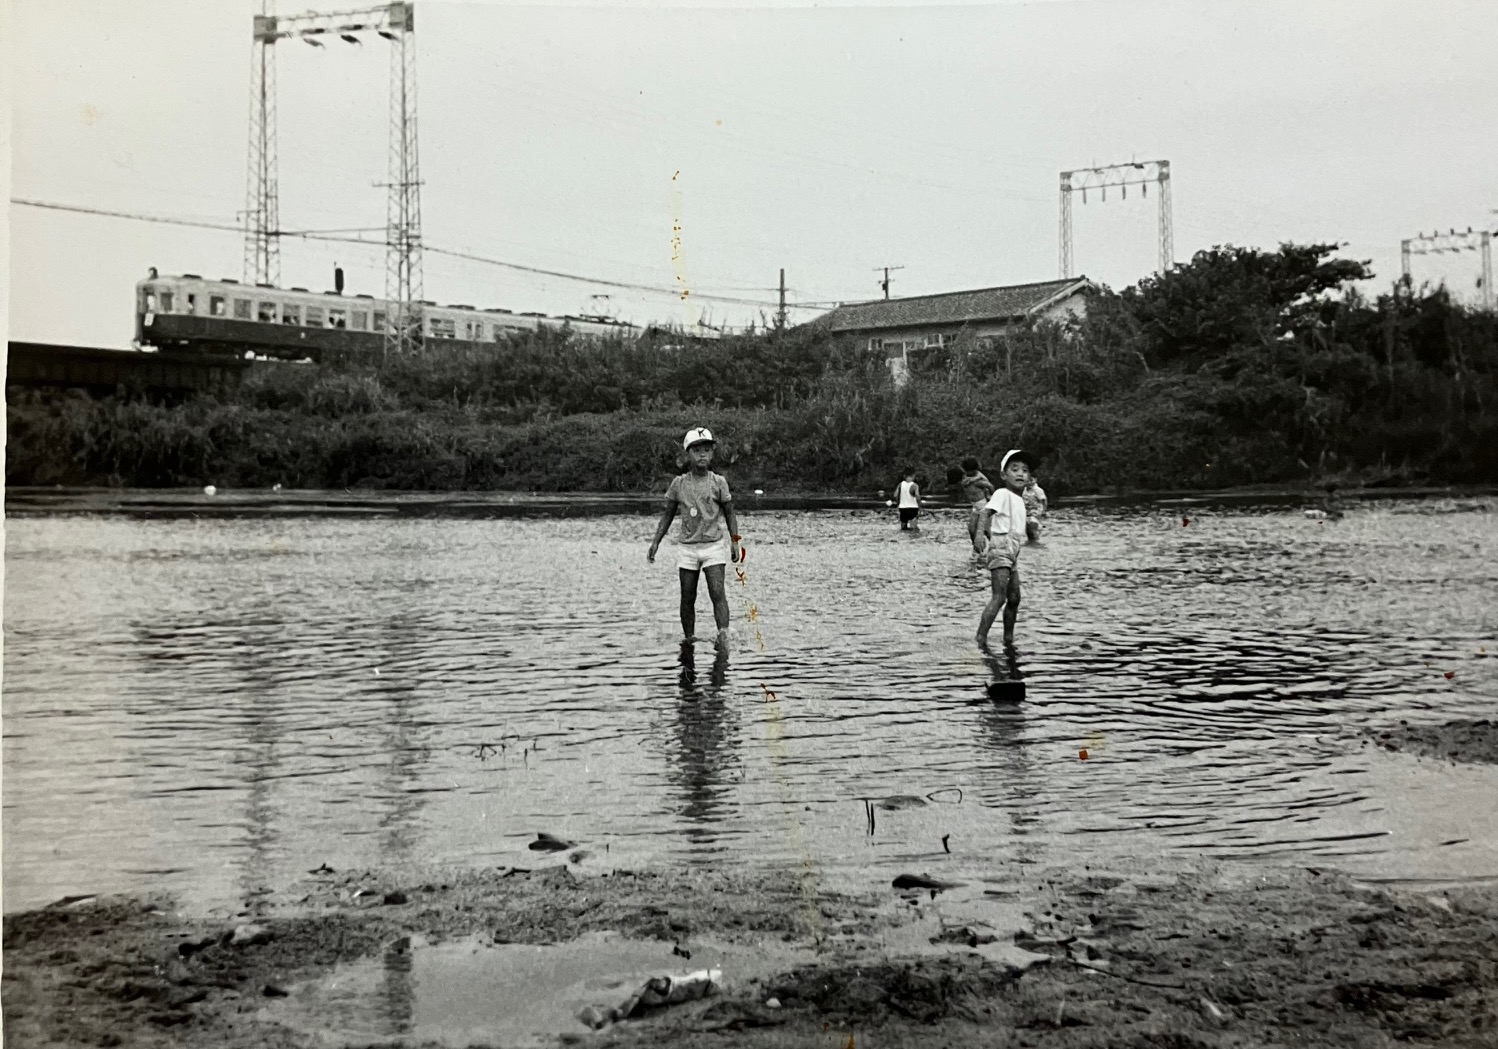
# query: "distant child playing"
[[909, 498], [977, 490], [708, 527], [1000, 535], [1035, 507]]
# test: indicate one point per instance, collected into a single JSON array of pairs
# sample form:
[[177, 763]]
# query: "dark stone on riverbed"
[[1473, 742], [1006, 691]]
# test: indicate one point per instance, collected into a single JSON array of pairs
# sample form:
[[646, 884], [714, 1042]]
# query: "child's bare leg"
[[1011, 606], [719, 597], [688, 601], [1000, 579]]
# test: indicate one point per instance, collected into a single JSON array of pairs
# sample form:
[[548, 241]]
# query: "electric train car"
[[222, 317]]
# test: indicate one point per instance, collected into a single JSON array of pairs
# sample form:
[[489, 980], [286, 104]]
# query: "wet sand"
[[1200, 956]]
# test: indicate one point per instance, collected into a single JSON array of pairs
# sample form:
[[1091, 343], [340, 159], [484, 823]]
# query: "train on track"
[[226, 318]]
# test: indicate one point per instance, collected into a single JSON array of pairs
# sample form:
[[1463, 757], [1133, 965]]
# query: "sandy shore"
[[1195, 955], [1205, 957]]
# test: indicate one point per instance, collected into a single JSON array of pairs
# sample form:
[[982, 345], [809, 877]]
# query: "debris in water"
[[550, 843], [658, 991], [921, 881], [1450, 674], [1082, 754]]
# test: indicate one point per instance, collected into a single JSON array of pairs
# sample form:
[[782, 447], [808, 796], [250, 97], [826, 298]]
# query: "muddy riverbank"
[[1200, 956]]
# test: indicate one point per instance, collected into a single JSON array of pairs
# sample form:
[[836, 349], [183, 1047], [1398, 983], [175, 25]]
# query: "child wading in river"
[[909, 495], [977, 490], [709, 537], [999, 538]]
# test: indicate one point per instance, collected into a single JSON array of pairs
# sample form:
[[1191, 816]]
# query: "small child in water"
[[999, 538], [977, 490], [709, 536], [1035, 507], [909, 497]]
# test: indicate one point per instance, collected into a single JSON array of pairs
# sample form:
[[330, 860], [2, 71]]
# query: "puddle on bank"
[[474, 991]]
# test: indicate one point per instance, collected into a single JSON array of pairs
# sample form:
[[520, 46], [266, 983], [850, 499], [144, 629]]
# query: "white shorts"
[[693, 557]]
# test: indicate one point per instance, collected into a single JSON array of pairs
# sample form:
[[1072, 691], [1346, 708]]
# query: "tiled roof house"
[[898, 326]]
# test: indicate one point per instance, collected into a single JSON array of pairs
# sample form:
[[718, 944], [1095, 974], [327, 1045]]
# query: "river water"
[[213, 707]]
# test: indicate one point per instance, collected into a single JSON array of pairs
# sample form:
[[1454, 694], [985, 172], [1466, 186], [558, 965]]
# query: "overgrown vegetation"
[[1240, 367]]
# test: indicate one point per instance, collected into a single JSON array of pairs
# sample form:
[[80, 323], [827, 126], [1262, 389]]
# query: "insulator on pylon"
[[1126, 191], [1144, 188], [350, 38], [1084, 196]]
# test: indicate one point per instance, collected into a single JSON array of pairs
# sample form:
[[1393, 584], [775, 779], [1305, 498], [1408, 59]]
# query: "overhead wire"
[[340, 238]]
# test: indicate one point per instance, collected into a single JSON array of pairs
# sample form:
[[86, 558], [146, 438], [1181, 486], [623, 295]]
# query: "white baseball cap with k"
[[696, 435]]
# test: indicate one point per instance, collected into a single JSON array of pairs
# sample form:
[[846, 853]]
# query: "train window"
[[314, 316], [216, 305], [241, 309], [291, 314], [192, 303], [166, 302], [266, 314], [444, 328], [359, 320], [379, 320], [337, 318], [150, 302]]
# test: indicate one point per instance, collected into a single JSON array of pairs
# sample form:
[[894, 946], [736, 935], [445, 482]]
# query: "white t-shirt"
[[908, 500], [1008, 514]]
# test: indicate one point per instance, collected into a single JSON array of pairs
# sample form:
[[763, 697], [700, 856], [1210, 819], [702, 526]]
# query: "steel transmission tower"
[[403, 277], [395, 22], [1480, 241], [1121, 177], [262, 212]]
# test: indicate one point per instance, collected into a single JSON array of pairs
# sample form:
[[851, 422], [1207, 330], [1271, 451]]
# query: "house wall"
[[899, 343]]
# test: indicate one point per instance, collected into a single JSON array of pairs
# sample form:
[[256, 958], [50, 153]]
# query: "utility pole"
[[1120, 177], [1480, 241], [885, 282], [396, 23], [780, 314]]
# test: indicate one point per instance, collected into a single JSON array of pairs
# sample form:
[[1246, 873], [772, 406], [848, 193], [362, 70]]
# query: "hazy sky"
[[828, 140]]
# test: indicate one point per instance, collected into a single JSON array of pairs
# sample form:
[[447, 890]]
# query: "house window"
[[241, 309], [337, 318], [935, 341], [314, 316], [266, 314], [291, 314], [359, 320], [166, 302], [876, 344]]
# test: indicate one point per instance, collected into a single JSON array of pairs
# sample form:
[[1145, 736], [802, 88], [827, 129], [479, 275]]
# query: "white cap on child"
[[696, 435], [1024, 457]]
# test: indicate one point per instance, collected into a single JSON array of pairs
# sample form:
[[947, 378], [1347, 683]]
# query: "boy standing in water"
[[909, 497], [1000, 535], [977, 490], [709, 537]]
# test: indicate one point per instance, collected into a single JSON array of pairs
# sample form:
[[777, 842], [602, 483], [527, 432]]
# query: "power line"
[[336, 238]]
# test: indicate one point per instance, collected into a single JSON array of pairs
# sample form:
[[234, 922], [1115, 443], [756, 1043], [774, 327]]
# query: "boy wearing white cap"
[[998, 540], [709, 537]]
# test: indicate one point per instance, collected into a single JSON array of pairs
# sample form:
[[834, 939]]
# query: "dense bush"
[[1241, 366]]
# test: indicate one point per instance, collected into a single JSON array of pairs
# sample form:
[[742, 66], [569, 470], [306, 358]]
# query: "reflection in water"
[[397, 992], [706, 738], [210, 708], [1002, 723]]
